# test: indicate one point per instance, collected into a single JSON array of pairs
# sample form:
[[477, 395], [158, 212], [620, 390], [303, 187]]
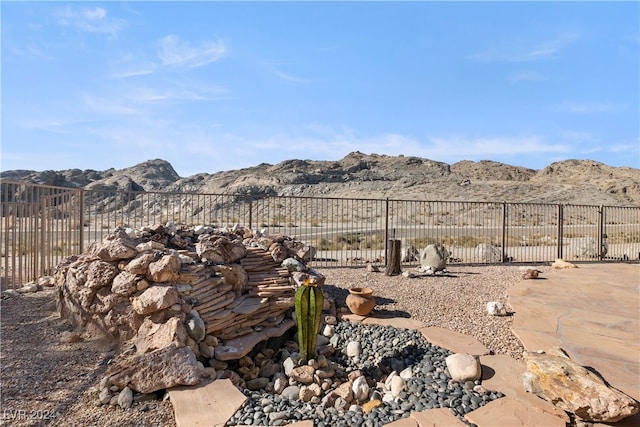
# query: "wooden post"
[[394, 258]]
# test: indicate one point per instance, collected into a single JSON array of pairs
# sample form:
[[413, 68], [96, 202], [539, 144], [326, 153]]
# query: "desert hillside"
[[360, 175]]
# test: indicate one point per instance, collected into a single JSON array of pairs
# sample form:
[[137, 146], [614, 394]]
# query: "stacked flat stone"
[[212, 292]]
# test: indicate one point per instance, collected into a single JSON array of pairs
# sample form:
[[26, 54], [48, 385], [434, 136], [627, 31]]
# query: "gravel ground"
[[455, 300], [49, 375]]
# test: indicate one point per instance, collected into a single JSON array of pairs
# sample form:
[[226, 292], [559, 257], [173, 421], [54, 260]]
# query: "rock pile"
[[184, 299]]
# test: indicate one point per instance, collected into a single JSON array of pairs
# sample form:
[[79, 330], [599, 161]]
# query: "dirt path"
[[49, 375]]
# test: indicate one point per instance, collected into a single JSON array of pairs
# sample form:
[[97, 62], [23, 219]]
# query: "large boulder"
[[488, 253], [463, 367], [554, 377], [433, 258]]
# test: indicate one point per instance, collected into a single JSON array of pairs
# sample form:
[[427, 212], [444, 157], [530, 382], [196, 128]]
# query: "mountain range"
[[359, 175]]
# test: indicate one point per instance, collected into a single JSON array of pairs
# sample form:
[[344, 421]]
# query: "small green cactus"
[[308, 306]]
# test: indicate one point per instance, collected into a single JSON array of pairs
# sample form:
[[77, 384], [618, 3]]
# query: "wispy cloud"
[[494, 147], [29, 51], [90, 19], [46, 124], [108, 106], [590, 107], [528, 76], [176, 53], [173, 54], [178, 92], [526, 52], [290, 77]]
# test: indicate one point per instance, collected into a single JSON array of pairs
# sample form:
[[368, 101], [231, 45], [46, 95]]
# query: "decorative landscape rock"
[[157, 370], [495, 308], [433, 258], [531, 273], [155, 298], [177, 293], [555, 377], [560, 264], [464, 367], [488, 253]]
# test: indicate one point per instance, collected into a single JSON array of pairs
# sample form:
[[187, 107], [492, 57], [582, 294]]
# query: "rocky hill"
[[360, 175]]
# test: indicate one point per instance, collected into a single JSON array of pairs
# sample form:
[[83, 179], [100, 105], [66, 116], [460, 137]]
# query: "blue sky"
[[211, 86]]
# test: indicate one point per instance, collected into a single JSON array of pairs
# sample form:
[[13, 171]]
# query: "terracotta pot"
[[360, 301]]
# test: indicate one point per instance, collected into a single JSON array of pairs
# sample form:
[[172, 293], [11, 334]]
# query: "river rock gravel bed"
[[384, 350]]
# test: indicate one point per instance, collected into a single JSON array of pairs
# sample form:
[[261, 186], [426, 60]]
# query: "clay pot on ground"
[[360, 301]]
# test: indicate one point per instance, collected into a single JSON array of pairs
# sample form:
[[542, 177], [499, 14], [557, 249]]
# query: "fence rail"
[[41, 225]]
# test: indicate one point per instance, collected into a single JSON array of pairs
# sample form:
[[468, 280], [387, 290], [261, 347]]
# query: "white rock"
[[387, 382], [288, 365], [388, 398], [463, 367], [397, 385], [360, 389], [354, 349], [328, 330], [495, 308]]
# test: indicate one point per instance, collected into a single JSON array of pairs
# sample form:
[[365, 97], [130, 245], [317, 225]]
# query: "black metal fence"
[[40, 225]]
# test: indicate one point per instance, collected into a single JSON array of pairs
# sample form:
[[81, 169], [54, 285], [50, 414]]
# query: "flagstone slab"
[[382, 320], [532, 315], [439, 417], [454, 341], [591, 312], [511, 412], [208, 404], [533, 340], [403, 422], [305, 423]]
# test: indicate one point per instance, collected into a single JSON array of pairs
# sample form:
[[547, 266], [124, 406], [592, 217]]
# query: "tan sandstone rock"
[[154, 336], [553, 376], [157, 370], [155, 298], [166, 269], [560, 264]]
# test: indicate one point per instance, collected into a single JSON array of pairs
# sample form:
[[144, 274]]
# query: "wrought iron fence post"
[[504, 231], [601, 253], [43, 219], [81, 218], [560, 230], [386, 228]]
